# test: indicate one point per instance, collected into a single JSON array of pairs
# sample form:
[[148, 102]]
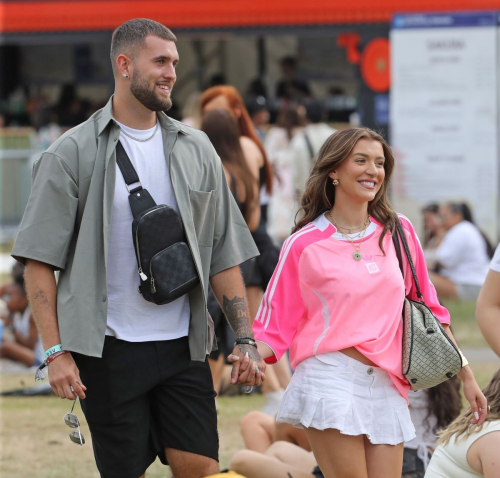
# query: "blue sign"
[[445, 20]]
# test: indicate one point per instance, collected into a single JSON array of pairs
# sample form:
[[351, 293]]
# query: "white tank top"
[[451, 460]]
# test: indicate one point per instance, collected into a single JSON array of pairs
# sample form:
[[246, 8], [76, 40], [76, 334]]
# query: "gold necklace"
[[357, 254]]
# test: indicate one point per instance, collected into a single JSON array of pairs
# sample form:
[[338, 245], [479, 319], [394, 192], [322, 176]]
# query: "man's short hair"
[[130, 37]]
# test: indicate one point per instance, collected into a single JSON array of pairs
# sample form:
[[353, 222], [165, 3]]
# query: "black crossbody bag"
[[164, 260]]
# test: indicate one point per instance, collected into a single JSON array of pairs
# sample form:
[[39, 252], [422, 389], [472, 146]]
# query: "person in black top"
[[243, 180], [290, 87]]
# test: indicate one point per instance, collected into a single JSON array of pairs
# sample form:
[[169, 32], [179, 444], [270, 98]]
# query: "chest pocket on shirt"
[[203, 211]]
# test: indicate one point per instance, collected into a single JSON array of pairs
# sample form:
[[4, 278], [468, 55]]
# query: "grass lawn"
[[34, 440]]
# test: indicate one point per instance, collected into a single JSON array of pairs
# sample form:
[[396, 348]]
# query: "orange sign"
[[376, 66], [79, 15]]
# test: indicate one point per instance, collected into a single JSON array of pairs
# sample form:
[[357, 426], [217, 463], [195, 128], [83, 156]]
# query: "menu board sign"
[[443, 113]]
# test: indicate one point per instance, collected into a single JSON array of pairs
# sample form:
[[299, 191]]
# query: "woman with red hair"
[[227, 97]]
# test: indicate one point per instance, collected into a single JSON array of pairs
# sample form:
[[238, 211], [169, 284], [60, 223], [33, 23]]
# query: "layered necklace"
[[357, 254]]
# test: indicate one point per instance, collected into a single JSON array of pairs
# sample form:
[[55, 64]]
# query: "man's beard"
[[139, 87]]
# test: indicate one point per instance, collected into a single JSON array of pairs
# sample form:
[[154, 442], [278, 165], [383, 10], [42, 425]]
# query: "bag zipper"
[[153, 288], [143, 276]]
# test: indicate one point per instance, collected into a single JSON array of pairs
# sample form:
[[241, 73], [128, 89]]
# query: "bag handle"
[[400, 232]]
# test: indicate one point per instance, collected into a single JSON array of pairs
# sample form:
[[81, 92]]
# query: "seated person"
[[26, 346], [465, 450], [488, 305], [260, 431], [281, 459], [433, 233], [462, 257], [431, 410]]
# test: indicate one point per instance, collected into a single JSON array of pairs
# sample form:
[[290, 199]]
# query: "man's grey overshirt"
[[68, 218]]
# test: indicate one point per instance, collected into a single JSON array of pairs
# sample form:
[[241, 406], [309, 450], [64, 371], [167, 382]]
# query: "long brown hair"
[[462, 425], [222, 130], [319, 194], [246, 127]]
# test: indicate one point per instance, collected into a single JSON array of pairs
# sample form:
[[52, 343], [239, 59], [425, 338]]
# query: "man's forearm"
[[229, 290], [42, 294]]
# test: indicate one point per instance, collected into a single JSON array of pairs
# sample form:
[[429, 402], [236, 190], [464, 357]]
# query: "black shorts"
[[143, 397]]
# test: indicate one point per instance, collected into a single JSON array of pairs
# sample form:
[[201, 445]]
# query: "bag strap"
[[309, 145], [127, 169], [400, 232], [397, 246]]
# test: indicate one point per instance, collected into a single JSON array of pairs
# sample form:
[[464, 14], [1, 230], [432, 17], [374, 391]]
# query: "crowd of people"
[[323, 297]]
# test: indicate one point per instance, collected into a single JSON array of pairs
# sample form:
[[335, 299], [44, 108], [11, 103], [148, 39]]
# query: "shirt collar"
[[165, 122]]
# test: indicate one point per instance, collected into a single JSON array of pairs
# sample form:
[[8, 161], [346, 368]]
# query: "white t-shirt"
[[463, 255], [130, 317], [495, 262]]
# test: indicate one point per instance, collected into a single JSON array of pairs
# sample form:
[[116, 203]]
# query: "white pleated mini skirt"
[[332, 390]]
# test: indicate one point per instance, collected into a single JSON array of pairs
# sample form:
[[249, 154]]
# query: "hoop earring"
[[335, 182]]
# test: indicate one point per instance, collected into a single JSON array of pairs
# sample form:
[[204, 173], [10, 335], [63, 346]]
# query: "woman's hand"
[[474, 396]]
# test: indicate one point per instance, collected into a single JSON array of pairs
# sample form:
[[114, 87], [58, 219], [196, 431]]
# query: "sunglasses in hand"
[[71, 420]]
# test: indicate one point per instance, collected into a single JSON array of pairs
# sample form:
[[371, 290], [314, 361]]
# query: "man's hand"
[[248, 366], [65, 378]]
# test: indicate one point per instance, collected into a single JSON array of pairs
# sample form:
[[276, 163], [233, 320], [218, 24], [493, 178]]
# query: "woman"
[[462, 257], [282, 204], [431, 410], [488, 305], [335, 301], [227, 98], [243, 180], [466, 450]]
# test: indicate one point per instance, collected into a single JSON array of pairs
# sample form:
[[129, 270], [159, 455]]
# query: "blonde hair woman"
[[466, 450], [335, 302]]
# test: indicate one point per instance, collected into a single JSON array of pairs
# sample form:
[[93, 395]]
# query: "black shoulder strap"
[[139, 199], [400, 232], [309, 145], [128, 171]]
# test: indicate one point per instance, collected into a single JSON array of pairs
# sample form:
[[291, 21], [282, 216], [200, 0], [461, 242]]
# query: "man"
[[140, 368]]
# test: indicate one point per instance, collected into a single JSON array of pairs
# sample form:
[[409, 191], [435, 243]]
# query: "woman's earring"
[[335, 182]]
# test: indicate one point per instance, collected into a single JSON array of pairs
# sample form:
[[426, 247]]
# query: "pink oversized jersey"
[[321, 300]]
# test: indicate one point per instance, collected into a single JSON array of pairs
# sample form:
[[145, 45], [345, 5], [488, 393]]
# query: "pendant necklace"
[[357, 254]]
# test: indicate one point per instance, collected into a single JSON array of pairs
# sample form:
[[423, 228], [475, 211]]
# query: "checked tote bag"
[[429, 355]]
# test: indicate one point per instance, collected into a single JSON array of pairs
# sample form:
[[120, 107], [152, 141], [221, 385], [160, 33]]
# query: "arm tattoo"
[[236, 312], [41, 299]]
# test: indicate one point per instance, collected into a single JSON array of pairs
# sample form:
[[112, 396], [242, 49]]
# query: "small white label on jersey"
[[372, 267]]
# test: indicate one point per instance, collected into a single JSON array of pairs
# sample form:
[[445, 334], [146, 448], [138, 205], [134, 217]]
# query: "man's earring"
[[125, 75], [335, 182]]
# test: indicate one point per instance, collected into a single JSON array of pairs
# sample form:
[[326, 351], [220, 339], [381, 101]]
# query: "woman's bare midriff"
[[356, 355]]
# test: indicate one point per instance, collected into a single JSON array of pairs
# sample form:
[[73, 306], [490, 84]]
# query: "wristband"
[[53, 350], [39, 375], [245, 341], [464, 360], [54, 356]]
